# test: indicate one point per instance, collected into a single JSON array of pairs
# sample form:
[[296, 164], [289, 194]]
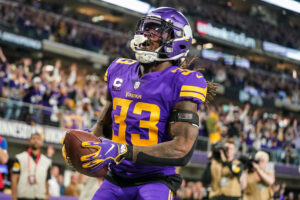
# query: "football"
[[74, 151]]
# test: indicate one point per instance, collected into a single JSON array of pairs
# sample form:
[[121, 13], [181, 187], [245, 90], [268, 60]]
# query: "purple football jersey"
[[142, 105]]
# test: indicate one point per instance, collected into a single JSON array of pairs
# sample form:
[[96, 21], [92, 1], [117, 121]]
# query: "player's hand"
[[255, 166], [223, 157], [107, 152], [63, 149]]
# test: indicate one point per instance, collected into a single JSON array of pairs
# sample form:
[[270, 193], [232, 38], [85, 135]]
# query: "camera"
[[249, 157], [216, 150]]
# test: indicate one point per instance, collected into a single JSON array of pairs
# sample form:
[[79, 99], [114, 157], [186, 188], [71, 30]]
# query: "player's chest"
[[149, 89]]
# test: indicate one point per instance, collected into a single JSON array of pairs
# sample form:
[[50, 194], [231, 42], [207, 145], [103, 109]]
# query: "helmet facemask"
[[154, 31]]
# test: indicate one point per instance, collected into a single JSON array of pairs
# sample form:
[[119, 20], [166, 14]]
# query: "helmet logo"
[[169, 50], [187, 32], [179, 33]]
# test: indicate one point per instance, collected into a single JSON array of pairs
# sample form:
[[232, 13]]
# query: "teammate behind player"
[[151, 109]]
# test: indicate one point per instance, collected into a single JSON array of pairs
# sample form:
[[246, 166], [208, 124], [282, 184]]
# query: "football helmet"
[[170, 28]]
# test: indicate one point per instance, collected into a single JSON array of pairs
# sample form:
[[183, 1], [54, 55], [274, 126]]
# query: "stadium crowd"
[[36, 92], [39, 24], [72, 98], [194, 190], [221, 13], [255, 81]]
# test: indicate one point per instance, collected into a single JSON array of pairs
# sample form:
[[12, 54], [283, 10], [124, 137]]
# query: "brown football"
[[74, 151]]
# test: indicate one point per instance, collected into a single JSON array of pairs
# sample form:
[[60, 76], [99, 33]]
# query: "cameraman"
[[223, 172], [257, 182]]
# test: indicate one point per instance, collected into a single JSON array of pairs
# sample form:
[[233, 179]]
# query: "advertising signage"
[[20, 40], [228, 58], [281, 50], [205, 28]]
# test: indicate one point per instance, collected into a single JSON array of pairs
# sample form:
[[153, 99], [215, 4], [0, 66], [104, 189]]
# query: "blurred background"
[[54, 55]]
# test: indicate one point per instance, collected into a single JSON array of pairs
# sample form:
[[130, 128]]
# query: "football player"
[[151, 109]]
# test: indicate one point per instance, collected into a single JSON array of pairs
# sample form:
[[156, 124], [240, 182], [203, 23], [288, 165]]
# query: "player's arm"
[[103, 126], [176, 152]]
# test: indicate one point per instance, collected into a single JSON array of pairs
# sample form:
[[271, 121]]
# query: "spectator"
[[50, 151], [3, 158], [33, 97], [188, 192], [198, 190], [180, 191], [16, 85], [73, 189], [278, 191], [297, 141], [213, 126], [288, 155], [54, 187], [60, 180], [85, 110], [257, 182], [90, 186], [31, 172], [291, 196]]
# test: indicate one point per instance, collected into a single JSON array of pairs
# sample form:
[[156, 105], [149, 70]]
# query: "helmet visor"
[[155, 28]]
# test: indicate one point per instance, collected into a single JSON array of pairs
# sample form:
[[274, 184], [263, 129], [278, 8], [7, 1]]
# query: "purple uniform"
[[141, 107]]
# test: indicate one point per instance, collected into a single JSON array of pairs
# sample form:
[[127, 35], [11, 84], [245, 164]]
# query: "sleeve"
[[116, 65], [110, 70], [206, 175], [192, 87], [3, 144], [3, 66], [16, 168]]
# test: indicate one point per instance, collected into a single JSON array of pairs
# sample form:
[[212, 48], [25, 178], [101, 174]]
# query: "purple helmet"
[[173, 30]]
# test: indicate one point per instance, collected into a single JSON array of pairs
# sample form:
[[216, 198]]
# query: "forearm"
[[162, 150], [72, 78], [177, 151], [3, 156], [267, 178], [2, 57], [243, 180], [14, 182]]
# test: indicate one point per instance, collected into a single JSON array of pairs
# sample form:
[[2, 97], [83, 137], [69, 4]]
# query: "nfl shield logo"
[[137, 85]]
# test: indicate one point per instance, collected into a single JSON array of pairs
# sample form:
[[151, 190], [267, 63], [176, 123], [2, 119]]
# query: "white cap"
[[36, 80], [86, 100], [49, 68]]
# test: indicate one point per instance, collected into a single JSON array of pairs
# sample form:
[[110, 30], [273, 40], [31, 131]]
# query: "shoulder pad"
[[117, 64], [191, 85]]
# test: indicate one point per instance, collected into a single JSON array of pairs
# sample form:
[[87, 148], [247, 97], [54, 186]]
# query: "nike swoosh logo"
[[112, 146]]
